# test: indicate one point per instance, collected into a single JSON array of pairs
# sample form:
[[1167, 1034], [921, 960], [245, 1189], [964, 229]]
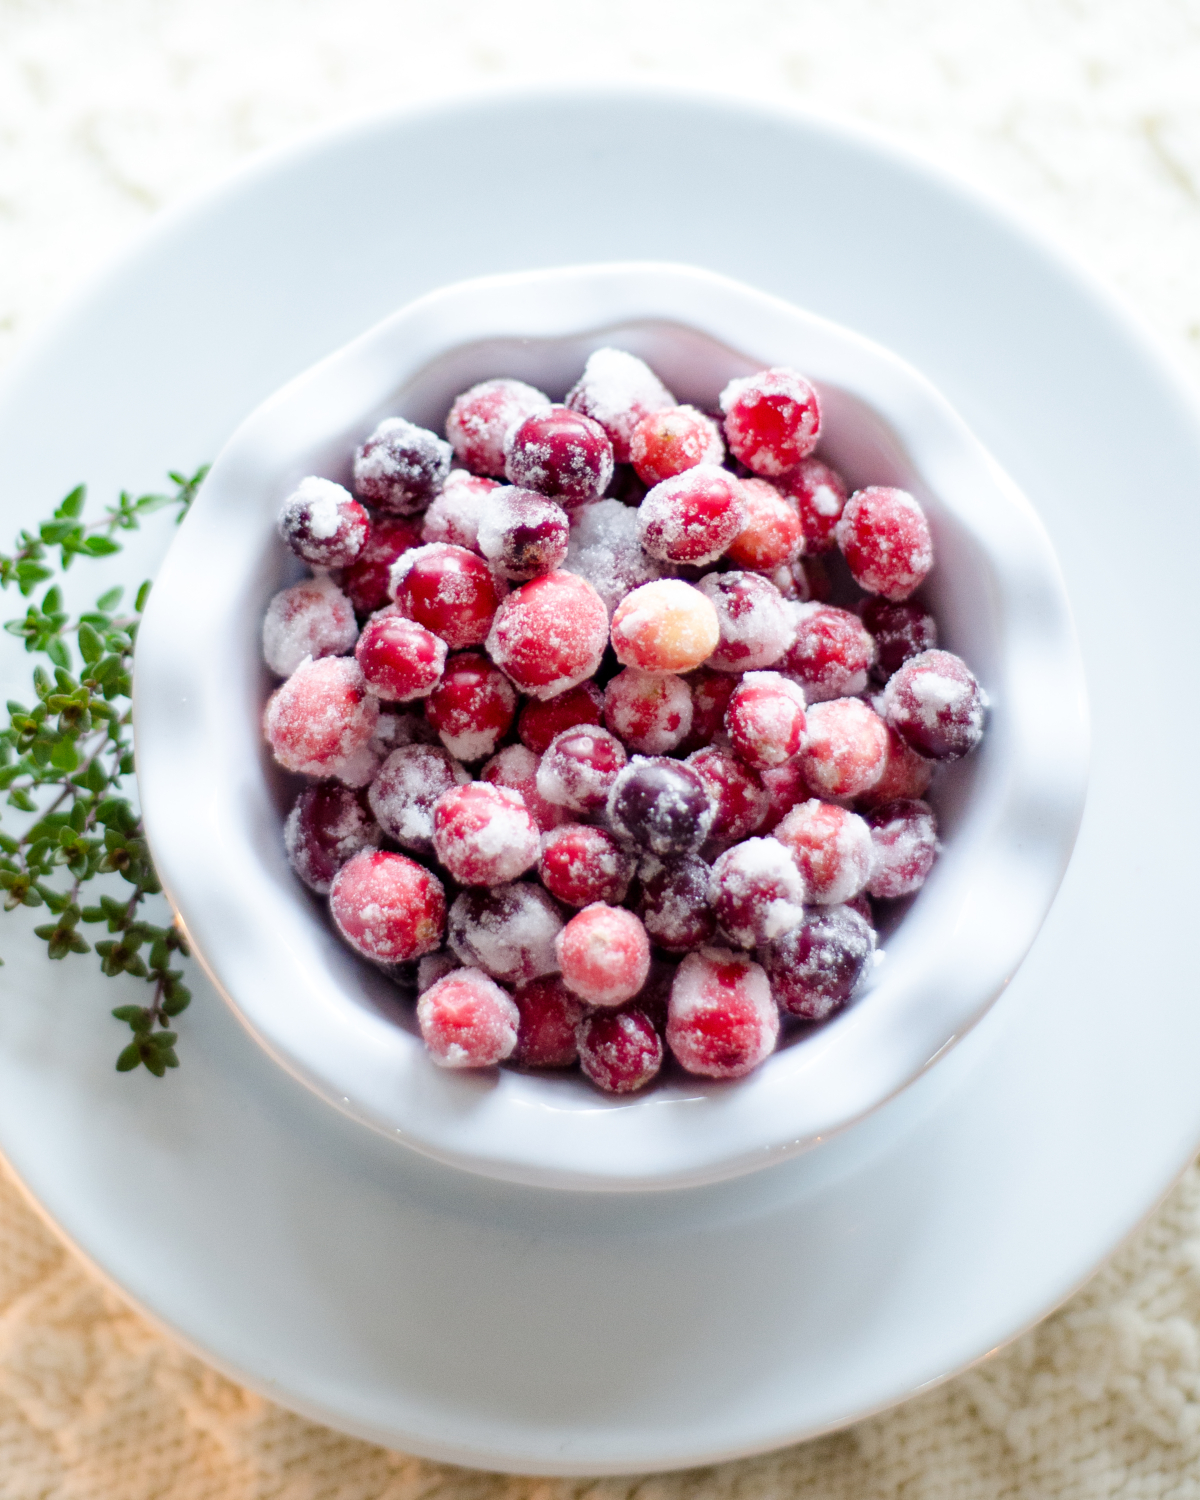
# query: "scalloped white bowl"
[[214, 803]]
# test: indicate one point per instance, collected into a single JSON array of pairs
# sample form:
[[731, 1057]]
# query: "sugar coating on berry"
[[539, 722], [901, 631], [326, 826], [816, 966], [772, 420], [516, 767], [561, 453], [312, 618], [580, 864], [401, 467], [549, 635], [468, 1021], [845, 749], [904, 835], [448, 590], [906, 775], [604, 954], [482, 417], [473, 706], [785, 787], [579, 768], [665, 626], [820, 494], [711, 692], [754, 619], [387, 907], [320, 716], [619, 1050], [550, 1016], [661, 806], [673, 902], [766, 719], [404, 792], [669, 441], [772, 534], [692, 517], [649, 712], [618, 390], [738, 795], [323, 524], [721, 1020], [483, 834], [831, 654], [454, 516], [884, 537], [605, 548], [367, 581], [400, 659], [522, 533], [507, 931], [936, 706], [756, 892], [831, 847]]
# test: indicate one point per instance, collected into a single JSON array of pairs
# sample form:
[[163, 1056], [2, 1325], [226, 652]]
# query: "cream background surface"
[[1084, 115]]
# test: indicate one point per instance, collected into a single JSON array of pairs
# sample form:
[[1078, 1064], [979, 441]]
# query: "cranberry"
[[820, 495], [831, 847], [455, 515], [669, 441], [468, 1021], [905, 774], [772, 420], [605, 549], [549, 635], [560, 453], [772, 535], [901, 631], [507, 931], [735, 790], [483, 834], [320, 716], [650, 712], [541, 722], [831, 654], [766, 719], [665, 626], [692, 517], [404, 792], [326, 826], [755, 621], [846, 748], [434, 966], [905, 838], [579, 768], [661, 806], [401, 467], [618, 390], [482, 418], [473, 706], [312, 618], [619, 1050], [323, 524], [816, 966], [580, 865], [523, 533], [936, 706], [400, 659], [604, 954], [785, 786], [756, 892], [367, 582], [721, 1020], [885, 540], [448, 590], [387, 907], [673, 903], [516, 767], [711, 692], [550, 1016]]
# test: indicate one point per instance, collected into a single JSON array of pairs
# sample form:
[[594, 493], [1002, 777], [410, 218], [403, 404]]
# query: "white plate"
[[553, 1332]]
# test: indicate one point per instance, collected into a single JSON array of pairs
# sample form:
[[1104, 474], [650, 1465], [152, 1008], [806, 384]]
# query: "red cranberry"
[[522, 533], [669, 441], [772, 420], [507, 931], [755, 621], [483, 834], [766, 719], [326, 826], [367, 581], [816, 966], [468, 1021], [785, 786], [618, 390], [579, 768], [721, 1021], [846, 748], [736, 792], [560, 453], [516, 767], [661, 806], [473, 706], [619, 1050], [604, 954], [692, 517], [772, 535], [540, 722], [665, 626], [387, 907], [905, 775], [885, 540], [549, 635], [312, 618], [550, 1016], [831, 654], [673, 903], [404, 792], [400, 659], [323, 524], [936, 706], [649, 712], [320, 716], [711, 692], [831, 847], [482, 418], [455, 515], [756, 892], [448, 590], [901, 631], [401, 467], [905, 838], [820, 494], [580, 865]]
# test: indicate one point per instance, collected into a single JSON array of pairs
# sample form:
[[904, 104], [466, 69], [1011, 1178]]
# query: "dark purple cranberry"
[[904, 836], [560, 453], [935, 705], [817, 965], [322, 524], [901, 631], [401, 467], [619, 1050], [327, 826], [673, 903], [523, 533], [661, 805]]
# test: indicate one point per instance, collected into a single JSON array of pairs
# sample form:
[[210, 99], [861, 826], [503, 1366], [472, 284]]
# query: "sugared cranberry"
[[885, 540], [312, 618], [820, 494], [400, 659], [711, 692], [550, 1016], [721, 1020], [579, 768], [560, 453], [323, 524], [473, 706], [831, 847], [404, 792], [618, 390], [785, 786], [845, 748], [737, 794], [756, 892], [507, 931], [772, 535], [905, 775], [434, 966], [665, 626], [516, 767], [901, 631], [906, 844], [455, 515], [580, 864], [401, 467], [550, 634], [483, 834], [326, 826], [669, 441], [367, 581], [936, 706], [673, 902], [540, 722], [831, 654], [482, 418], [468, 1021], [649, 712], [772, 420], [320, 716], [755, 621], [523, 534], [766, 719], [448, 590], [692, 517], [619, 1050], [605, 549], [387, 907], [816, 966], [661, 806], [604, 954]]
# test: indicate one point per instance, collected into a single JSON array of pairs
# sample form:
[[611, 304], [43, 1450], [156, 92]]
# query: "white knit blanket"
[[1084, 112]]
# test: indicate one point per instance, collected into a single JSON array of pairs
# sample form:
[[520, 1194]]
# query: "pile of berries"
[[593, 761]]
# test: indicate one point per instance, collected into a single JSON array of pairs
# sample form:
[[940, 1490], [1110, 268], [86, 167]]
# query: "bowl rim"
[[356, 1058]]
